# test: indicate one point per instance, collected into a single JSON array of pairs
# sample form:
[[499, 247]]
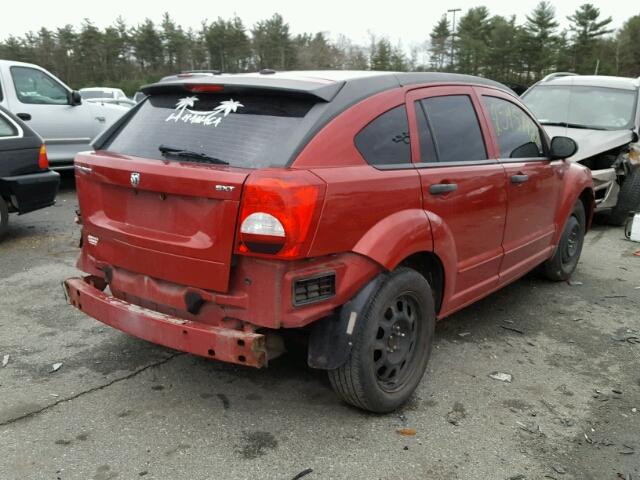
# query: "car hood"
[[591, 142]]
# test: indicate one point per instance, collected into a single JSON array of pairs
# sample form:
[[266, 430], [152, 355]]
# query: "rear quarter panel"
[[376, 213]]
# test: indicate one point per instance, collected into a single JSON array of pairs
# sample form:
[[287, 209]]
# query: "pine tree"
[[541, 40], [587, 30], [440, 49]]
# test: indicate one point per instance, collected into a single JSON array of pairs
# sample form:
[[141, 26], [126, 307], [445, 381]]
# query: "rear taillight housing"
[[43, 160], [278, 212]]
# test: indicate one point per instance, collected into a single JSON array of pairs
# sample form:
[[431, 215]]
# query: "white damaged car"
[[601, 114]]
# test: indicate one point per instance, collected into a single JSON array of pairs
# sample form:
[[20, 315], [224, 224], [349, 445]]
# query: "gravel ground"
[[122, 408]]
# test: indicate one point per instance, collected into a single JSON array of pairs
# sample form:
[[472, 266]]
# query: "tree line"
[[493, 46]]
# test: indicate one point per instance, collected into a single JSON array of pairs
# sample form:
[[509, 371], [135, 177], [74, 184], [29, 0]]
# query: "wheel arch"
[[587, 197], [429, 265], [396, 237]]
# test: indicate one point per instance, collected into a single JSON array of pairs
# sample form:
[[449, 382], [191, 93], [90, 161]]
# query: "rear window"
[[247, 130]]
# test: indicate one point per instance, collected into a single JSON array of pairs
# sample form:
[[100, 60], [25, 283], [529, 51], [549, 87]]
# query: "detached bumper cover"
[[228, 345]]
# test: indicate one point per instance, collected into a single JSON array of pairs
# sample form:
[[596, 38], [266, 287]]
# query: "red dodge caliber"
[[359, 207]]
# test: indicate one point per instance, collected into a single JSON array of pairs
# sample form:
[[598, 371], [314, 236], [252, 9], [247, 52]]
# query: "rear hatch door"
[[161, 195]]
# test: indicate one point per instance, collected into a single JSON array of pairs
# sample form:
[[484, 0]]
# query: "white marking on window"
[[183, 113]]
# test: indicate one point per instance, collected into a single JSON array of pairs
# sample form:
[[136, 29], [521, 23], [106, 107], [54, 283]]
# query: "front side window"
[[6, 128], [455, 128], [518, 135], [385, 140], [36, 87]]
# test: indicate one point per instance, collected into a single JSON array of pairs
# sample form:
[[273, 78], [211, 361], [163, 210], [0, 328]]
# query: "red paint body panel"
[[174, 225], [174, 234]]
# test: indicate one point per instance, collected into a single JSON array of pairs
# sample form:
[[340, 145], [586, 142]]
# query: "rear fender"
[[396, 237]]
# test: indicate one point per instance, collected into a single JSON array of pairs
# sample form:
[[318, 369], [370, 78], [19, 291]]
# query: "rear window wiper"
[[571, 125], [185, 153]]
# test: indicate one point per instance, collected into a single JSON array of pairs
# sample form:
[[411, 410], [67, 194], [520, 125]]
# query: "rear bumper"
[[234, 346], [33, 191]]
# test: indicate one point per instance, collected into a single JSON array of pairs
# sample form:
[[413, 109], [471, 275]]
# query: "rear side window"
[[456, 132], [246, 130], [518, 135], [6, 128], [385, 141]]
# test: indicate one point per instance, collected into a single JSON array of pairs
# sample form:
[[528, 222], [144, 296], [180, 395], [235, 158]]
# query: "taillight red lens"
[[278, 211], [205, 88], [43, 160]]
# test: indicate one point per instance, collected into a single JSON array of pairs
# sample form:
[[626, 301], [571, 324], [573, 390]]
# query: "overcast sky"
[[409, 21]]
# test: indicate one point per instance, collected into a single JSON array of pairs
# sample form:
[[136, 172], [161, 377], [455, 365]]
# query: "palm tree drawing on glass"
[[185, 102], [228, 106], [213, 117]]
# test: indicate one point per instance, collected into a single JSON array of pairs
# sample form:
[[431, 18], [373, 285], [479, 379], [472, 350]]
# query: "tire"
[[565, 259], [4, 218], [391, 345], [628, 199]]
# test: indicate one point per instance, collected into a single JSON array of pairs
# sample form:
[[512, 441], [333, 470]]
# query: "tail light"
[[43, 160], [278, 210]]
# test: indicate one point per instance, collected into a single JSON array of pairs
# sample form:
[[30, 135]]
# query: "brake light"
[[43, 160], [278, 211], [205, 88]]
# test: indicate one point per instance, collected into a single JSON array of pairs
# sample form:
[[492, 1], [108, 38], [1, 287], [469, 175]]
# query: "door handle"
[[101, 119], [24, 116], [442, 188], [519, 178]]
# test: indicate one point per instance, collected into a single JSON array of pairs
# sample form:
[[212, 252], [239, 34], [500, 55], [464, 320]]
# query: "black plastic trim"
[[330, 273]]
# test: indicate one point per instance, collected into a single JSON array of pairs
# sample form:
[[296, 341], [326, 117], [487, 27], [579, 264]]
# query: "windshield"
[[593, 107], [243, 130], [95, 94]]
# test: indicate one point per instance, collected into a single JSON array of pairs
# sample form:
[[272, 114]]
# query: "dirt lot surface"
[[120, 408]]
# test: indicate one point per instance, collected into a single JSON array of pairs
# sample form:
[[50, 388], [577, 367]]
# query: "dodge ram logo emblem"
[[135, 179]]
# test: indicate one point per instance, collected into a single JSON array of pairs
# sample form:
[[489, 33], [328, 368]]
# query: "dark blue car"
[[26, 182]]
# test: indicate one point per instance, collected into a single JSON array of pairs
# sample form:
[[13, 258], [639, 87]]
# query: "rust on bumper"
[[225, 344]]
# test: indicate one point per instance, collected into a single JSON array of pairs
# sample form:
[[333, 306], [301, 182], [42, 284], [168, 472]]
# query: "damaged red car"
[[359, 207]]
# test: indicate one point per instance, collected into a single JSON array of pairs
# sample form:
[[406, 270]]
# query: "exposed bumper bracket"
[[228, 345]]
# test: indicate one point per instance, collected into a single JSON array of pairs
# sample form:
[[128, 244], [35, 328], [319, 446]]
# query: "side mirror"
[[562, 147], [634, 137], [75, 98]]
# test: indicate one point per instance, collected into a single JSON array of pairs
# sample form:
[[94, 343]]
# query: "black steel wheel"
[[565, 259], [391, 344], [396, 339]]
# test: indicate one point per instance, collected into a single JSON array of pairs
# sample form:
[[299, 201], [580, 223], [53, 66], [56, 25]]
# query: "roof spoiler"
[[320, 91]]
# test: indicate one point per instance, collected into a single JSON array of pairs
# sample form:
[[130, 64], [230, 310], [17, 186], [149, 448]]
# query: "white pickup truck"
[[53, 110]]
